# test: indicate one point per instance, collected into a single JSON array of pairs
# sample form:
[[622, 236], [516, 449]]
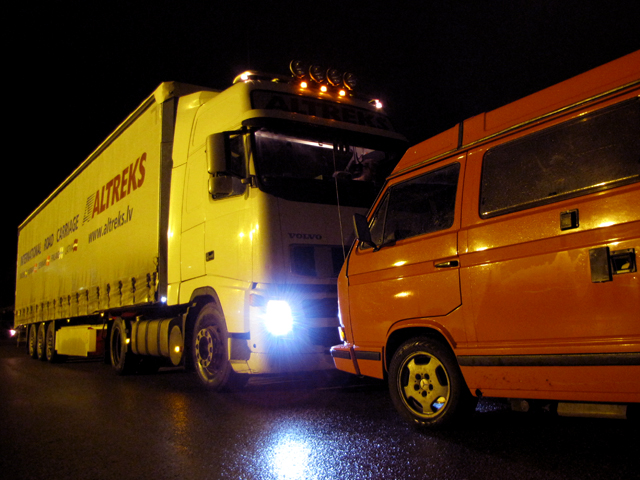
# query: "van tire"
[[426, 384], [209, 349]]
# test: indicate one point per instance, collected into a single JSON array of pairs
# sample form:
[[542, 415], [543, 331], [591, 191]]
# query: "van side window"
[[587, 154], [377, 223], [423, 204]]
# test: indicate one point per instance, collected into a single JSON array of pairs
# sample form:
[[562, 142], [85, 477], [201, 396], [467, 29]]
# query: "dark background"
[[77, 69]]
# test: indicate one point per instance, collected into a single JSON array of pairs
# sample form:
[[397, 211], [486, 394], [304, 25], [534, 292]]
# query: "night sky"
[[77, 69]]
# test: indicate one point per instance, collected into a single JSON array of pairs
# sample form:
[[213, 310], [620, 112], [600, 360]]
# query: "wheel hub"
[[425, 385], [204, 350], [424, 391]]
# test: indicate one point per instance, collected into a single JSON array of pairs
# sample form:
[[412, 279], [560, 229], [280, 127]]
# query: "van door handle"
[[451, 264]]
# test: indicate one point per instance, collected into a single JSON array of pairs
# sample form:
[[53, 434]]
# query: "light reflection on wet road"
[[79, 420]]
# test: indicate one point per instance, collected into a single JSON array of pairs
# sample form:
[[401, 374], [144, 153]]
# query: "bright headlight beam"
[[278, 319]]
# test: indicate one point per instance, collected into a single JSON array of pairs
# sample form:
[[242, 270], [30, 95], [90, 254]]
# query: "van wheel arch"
[[398, 337]]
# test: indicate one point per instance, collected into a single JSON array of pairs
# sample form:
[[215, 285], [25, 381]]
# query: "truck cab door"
[[193, 217]]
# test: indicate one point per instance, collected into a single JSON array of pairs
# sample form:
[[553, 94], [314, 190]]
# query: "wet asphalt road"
[[77, 420]]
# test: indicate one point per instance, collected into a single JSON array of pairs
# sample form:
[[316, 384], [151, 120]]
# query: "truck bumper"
[[284, 362], [304, 349]]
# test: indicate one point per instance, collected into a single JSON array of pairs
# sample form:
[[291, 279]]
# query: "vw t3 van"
[[500, 259]]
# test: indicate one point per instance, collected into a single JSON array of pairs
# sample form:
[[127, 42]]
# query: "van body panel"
[[405, 291], [587, 383], [445, 142], [370, 361]]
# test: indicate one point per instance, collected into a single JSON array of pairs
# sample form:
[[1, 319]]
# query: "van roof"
[[611, 76]]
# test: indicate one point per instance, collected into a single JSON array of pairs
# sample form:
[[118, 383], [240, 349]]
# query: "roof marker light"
[[317, 73], [350, 80], [298, 68], [334, 76]]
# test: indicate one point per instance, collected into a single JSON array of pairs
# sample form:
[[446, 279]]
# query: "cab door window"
[[424, 204]]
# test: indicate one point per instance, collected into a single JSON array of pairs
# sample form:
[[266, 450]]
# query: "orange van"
[[500, 259]]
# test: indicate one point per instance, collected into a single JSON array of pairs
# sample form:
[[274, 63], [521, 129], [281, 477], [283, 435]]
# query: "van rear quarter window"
[[591, 153]]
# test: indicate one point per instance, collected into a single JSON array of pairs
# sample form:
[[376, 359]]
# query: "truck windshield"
[[318, 170]]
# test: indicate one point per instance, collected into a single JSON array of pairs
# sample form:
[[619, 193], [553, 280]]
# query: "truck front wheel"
[[426, 384], [209, 349]]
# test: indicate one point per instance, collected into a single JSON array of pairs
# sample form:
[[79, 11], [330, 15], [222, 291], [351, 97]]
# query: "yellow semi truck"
[[208, 229]]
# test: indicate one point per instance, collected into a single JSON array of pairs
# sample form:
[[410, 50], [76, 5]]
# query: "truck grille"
[[320, 308], [326, 337], [320, 261]]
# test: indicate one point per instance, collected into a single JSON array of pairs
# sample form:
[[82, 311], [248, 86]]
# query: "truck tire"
[[123, 360], [209, 349], [32, 340], [50, 344], [41, 342], [426, 384]]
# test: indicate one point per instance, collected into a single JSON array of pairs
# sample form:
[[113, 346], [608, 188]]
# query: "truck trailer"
[[208, 230]]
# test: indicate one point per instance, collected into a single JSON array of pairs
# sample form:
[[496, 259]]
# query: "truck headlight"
[[278, 319]]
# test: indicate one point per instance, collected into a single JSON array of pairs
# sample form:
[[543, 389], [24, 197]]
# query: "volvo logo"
[[305, 236]]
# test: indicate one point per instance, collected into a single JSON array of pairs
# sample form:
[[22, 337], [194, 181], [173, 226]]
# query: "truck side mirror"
[[221, 186], [220, 181], [362, 230], [217, 154]]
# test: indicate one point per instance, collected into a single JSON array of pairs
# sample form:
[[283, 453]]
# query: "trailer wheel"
[[426, 384], [32, 340], [50, 344], [209, 349], [122, 359], [41, 342]]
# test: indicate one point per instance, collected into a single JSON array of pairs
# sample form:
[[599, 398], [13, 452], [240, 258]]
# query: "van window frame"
[[383, 207], [512, 147]]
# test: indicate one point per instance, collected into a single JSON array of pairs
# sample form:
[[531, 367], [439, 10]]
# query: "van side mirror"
[[362, 230]]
